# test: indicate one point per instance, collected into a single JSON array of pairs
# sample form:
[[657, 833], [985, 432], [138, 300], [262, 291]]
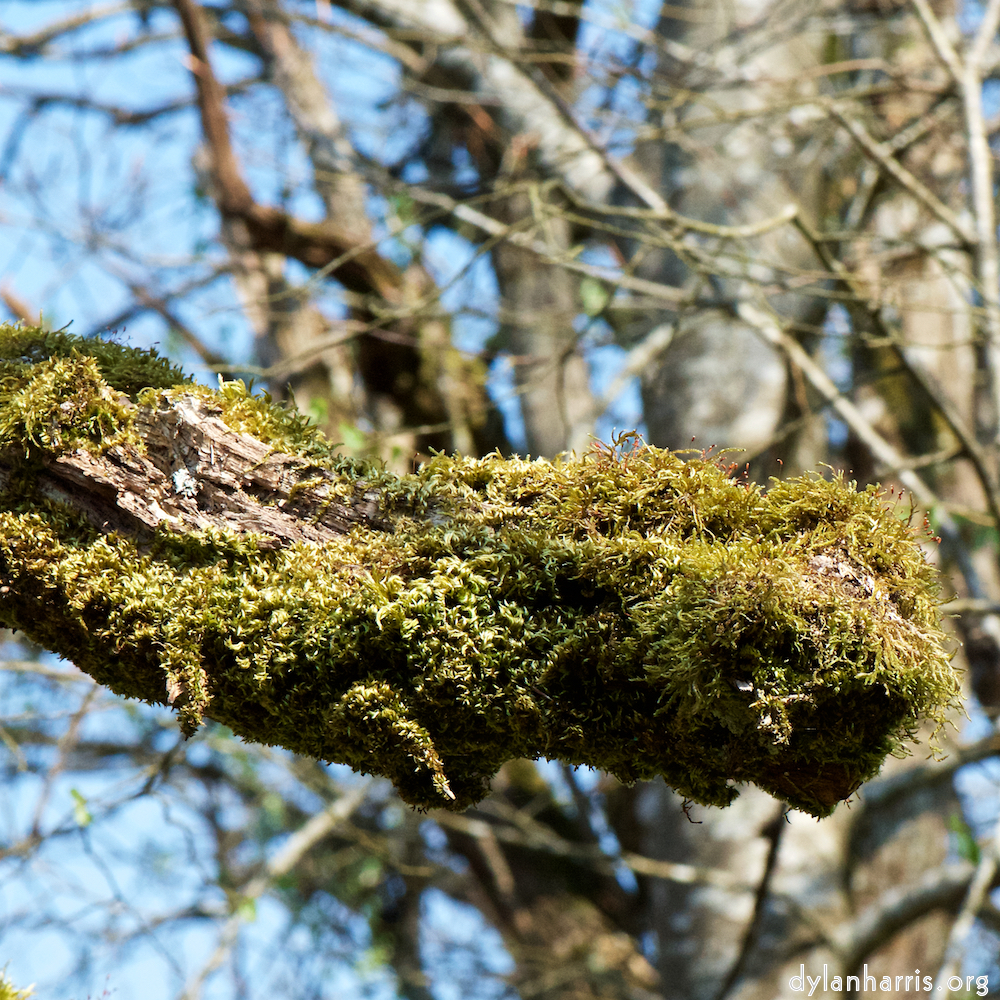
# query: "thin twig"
[[71, 675], [365, 34], [769, 328], [882, 155], [927, 383], [66, 741], [958, 939], [685, 223], [935, 32], [348, 330], [472, 216], [162, 308], [921, 126], [638, 360], [773, 832], [297, 846], [18, 307], [547, 842], [34, 45], [896, 909], [970, 606], [883, 792]]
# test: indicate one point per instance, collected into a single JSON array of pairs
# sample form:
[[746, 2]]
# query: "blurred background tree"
[[473, 225]]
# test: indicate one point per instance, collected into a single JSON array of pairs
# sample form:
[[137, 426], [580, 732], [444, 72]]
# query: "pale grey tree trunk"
[[720, 385]]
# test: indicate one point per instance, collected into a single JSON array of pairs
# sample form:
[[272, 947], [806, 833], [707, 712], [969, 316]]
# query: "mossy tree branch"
[[630, 610]]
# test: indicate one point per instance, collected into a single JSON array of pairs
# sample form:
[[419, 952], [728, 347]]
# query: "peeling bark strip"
[[632, 611], [195, 474]]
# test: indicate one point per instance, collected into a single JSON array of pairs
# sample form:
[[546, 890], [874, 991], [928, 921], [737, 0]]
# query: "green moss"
[[124, 369], [641, 613], [59, 392], [60, 404], [10, 992]]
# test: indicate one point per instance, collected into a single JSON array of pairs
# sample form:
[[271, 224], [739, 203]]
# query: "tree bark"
[[627, 610]]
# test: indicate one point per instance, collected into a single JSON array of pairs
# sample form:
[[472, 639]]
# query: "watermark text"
[[913, 982]]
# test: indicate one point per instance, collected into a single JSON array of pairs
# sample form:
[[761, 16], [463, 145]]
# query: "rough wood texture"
[[198, 473]]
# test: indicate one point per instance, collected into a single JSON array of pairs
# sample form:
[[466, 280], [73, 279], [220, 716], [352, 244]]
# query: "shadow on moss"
[[634, 611]]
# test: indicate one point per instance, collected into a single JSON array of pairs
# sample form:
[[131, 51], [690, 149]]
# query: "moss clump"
[[59, 392], [8, 991], [640, 613], [124, 369], [61, 404]]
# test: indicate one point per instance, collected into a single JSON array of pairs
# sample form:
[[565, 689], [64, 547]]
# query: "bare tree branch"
[[898, 908]]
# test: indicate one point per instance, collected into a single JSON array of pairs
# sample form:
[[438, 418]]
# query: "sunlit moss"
[[63, 404], [8, 991], [638, 612], [59, 392]]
